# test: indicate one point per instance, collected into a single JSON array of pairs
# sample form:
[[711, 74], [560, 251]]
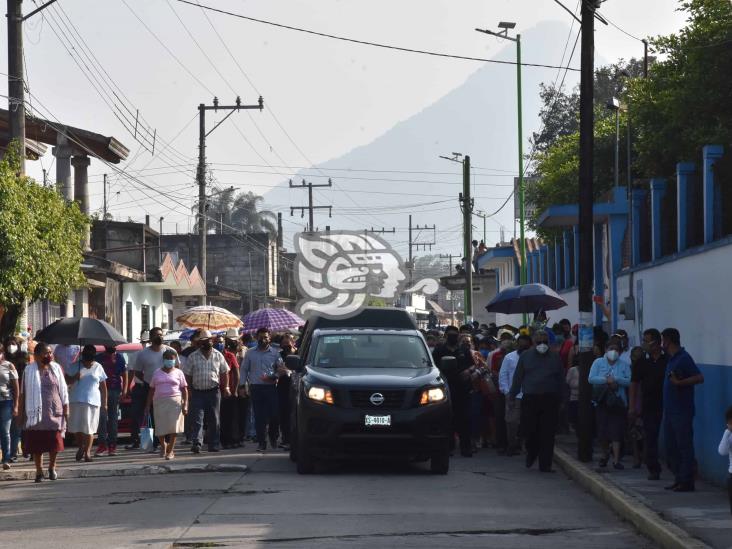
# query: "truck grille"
[[392, 399]]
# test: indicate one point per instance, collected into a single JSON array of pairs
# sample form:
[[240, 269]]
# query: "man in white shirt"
[[513, 406]]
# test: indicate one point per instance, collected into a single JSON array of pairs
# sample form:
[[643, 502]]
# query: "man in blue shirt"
[[678, 410]]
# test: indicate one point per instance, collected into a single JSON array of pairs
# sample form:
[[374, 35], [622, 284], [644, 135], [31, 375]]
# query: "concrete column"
[[62, 151], [711, 154], [683, 171], [558, 277], [599, 270], [575, 243], [542, 265], [565, 250], [639, 198], [81, 191], [658, 191]]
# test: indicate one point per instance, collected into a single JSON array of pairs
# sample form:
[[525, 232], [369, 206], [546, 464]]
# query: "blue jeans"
[[108, 419], [678, 432], [16, 432], [6, 416], [264, 400], [205, 404]]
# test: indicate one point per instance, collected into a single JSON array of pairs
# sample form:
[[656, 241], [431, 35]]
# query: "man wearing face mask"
[[459, 386], [498, 401], [513, 406], [646, 386], [207, 375], [146, 363], [229, 405], [258, 378], [539, 376]]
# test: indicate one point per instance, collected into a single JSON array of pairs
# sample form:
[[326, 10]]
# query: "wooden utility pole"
[[586, 226], [16, 92], [309, 186], [467, 206], [201, 172], [413, 244]]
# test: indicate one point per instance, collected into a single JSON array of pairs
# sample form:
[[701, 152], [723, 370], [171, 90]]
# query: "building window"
[[145, 318], [170, 319], [128, 320]]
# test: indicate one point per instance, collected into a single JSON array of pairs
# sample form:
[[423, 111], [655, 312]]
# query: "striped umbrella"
[[210, 318], [277, 320]]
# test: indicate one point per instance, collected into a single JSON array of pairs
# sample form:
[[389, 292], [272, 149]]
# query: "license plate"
[[377, 420]]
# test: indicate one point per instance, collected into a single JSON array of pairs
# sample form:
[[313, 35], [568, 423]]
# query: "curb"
[[140, 470], [646, 520]]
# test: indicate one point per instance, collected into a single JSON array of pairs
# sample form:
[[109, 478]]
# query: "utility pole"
[[309, 186], [16, 78], [506, 26], [104, 206], [380, 231], [645, 58], [413, 244], [586, 267], [201, 172]]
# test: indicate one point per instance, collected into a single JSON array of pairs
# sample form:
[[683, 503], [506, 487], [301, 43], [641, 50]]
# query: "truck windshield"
[[370, 351]]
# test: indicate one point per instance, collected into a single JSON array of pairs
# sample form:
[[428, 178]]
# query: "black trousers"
[[499, 410], [651, 428], [229, 421], [540, 416], [729, 491], [243, 404], [461, 415], [137, 409]]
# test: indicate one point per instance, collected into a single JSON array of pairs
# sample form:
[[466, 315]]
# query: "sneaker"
[[196, 448], [261, 448], [112, 450], [618, 466], [6, 466], [101, 450]]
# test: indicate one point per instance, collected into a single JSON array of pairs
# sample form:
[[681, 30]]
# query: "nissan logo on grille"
[[377, 399]]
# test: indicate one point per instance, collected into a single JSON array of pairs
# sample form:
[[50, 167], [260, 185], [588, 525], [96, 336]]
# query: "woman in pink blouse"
[[169, 395]]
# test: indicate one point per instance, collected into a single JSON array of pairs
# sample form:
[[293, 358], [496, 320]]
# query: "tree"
[[240, 212], [41, 235], [685, 104]]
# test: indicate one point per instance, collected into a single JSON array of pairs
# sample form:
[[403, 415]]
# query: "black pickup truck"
[[366, 387]]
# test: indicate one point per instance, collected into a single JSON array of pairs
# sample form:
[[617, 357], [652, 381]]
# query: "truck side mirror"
[[293, 363]]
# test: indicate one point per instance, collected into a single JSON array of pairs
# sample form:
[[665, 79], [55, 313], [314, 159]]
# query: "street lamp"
[[505, 26], [614, 105]]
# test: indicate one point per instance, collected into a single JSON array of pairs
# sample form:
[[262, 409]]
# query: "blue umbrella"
[[528, 298]]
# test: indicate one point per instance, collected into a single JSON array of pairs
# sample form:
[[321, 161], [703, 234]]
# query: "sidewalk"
[[138, 462], [691, 519]]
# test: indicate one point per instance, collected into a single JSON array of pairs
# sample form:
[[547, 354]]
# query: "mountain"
[[477, 118]]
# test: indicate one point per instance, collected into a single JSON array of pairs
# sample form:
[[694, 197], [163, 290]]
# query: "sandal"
[[39, 477], [87, 459], [170, 456]]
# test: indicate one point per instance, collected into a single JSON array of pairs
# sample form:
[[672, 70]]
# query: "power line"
[[365, 42]]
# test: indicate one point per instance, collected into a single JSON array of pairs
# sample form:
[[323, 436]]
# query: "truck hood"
[[375, 377]]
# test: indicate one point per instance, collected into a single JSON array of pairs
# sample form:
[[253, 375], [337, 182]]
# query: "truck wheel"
[[440, 463]]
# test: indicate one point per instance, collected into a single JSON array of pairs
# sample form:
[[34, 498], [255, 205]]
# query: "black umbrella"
[[527, 298], [81, 331]]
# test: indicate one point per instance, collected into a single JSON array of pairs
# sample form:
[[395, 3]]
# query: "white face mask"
[[24, 347], [542, 348], [12, 349], [611, 355]]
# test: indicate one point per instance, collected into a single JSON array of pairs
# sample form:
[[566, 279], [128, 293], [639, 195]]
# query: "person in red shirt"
[[229, 405]]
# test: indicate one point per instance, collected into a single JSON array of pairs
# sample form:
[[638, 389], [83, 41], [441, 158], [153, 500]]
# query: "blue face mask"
[[219, 347], [169, 363], [484, 352], [251, 344]]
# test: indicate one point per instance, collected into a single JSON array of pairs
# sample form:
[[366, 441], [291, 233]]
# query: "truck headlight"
[[435, 394], [320, 394]]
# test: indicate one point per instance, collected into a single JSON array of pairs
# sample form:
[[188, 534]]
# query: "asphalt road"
[[485, 501]]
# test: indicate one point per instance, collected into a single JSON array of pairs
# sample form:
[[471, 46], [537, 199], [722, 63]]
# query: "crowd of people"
[[513, 389], [217, 390]]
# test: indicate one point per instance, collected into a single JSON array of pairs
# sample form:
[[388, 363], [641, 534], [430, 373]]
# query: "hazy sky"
[[329, 96]]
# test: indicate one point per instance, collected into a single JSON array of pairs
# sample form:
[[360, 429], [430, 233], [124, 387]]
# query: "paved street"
[[485, 501]]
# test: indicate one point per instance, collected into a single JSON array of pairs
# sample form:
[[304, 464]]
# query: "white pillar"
[[81, 191], [62, 151]]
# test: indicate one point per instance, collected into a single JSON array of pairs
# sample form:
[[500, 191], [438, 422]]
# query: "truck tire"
[[440, 463]]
